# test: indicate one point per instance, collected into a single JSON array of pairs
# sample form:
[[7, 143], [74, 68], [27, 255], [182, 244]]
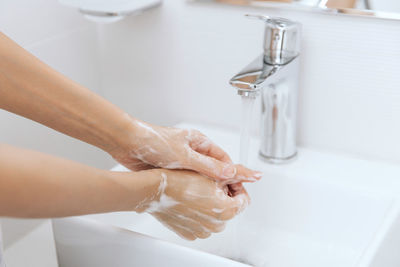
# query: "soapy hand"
[[172, 148], [192, 205]]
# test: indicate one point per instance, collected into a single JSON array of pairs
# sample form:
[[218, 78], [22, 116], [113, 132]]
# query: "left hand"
[[172, 148]]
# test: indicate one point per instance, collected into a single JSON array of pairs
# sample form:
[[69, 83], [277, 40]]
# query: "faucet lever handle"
[[257, 16], [281, 43], [277, 21]]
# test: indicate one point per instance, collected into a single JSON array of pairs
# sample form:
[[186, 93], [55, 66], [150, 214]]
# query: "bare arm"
[[37, 185], [32, 89], [34, 184]]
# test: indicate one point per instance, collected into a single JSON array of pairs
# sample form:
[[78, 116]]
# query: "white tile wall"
[[29, 22]]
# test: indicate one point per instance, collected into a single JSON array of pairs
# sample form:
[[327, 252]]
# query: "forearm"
[[32, 89], [36, 185]]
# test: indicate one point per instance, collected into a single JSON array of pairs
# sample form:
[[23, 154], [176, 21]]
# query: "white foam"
[[173, 165], [208, 217], [147, 127], [165, 201], [218, 210]]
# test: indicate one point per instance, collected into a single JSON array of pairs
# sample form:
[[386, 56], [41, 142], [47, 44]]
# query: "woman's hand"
[[190, 204], [33, 90], [171, 148]]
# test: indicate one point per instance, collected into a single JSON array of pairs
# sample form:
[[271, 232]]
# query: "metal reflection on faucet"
[[274, 76]]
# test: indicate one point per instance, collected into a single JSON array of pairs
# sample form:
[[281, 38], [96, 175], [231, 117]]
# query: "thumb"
[[211, 167], [242, 200]]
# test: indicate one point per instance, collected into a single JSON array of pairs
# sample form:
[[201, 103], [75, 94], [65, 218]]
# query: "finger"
[[187, 222], [190, 225], [241, 200], [183, 232], [203, 235], [208, 219], [169, 222], [237, 203], [205, 146], [228, 214], [210, 167], [244, 174]]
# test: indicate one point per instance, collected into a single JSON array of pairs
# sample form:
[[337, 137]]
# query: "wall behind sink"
[[62, 38], [173, 64]]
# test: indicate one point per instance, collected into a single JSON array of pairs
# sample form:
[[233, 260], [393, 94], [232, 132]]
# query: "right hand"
[[152, 146], [194, 206]]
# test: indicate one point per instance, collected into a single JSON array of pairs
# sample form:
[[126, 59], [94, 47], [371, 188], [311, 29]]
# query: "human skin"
[[30, 88], [36, 185], [48, 188]]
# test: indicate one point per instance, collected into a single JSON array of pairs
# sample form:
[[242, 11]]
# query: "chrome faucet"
[[275, 76]]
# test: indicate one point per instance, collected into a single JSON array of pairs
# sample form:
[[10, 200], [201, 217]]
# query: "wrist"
[[131, 133], [123, 138], [138, 189]]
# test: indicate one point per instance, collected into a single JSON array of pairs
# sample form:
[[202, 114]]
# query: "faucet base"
[[273, 160]]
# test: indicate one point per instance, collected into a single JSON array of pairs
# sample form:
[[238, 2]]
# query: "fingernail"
[[229, 171], [258, 175]]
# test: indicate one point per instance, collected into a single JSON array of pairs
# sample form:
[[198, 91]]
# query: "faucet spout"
[[253, 77]]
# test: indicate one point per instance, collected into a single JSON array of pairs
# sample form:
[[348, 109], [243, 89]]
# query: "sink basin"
[[323, 209]]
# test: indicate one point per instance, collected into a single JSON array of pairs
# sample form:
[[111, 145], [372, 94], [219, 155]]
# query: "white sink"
[[321, 210]]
